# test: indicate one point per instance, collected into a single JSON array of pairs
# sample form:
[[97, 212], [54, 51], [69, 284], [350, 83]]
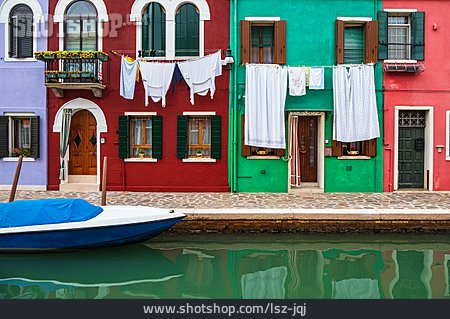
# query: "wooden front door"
[[83, 144], [411, 157], [307, 141]]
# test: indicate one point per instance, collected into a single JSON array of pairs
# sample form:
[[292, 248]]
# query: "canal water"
[[239, 267]]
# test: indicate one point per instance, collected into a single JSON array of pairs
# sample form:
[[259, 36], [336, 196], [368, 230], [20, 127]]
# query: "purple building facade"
[[23, 96]]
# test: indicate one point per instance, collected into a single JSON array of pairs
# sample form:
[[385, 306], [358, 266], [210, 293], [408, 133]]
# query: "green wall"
[[310, 42]]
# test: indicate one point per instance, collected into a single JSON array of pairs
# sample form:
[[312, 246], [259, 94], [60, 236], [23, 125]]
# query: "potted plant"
[[51, 75], [74, 74], [141, 153], [16, 152], [87, 74], [199, 153], [45, 55], [102, 56], [62, 74]]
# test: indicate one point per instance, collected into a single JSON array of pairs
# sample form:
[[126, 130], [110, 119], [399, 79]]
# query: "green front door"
[[411, 148]]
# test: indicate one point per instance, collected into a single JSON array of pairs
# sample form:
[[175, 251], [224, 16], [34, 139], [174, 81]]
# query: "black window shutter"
[[13, 37], [157, 142], [382, 35], [35, 139], [124, 136], [4, 136], [216, 136], [26, 39], [182, 136], [418, 35]]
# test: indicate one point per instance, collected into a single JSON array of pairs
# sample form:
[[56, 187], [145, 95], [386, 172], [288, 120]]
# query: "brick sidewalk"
[[349, 201]]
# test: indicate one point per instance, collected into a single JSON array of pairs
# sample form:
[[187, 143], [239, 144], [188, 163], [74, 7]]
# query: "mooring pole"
[[12, 195], [105, 171]]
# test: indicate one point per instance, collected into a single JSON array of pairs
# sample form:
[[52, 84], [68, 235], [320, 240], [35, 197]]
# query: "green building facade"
[[311, 39]]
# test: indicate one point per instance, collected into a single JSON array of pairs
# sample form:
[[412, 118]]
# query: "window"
[[263, 42], [401, 35], [21, 32], [199, 136], [356, 41], [140, 136], [154, 31], [248, 151], [19, 135], [80, 27], [187, 31], [363, 148]]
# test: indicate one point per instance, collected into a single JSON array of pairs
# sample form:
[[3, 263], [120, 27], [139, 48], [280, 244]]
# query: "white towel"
[[297, 81], [317, 78], [128, 78], [200, 74], [266, 284], [356, 288], [265, 98], [355, 104], [156, 78]]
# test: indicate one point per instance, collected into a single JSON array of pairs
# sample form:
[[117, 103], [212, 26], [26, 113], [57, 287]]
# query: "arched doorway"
[[83, 144]]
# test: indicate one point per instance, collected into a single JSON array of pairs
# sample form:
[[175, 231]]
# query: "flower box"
[[102, 56], [62, 75], [86, 75]]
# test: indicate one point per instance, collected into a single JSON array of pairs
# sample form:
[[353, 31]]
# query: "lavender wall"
[[22, 90]]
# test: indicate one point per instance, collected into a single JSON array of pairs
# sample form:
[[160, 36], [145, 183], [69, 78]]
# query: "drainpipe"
[[231, 110], [235, 80]]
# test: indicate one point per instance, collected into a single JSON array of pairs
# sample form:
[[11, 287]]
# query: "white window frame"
[[102, 16], [171, 7], [404, 12], [447, 135], [135, 159], [11, 116], [38, 17]]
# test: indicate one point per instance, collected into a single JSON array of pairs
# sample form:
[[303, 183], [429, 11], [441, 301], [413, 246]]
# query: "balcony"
[[75, 70]]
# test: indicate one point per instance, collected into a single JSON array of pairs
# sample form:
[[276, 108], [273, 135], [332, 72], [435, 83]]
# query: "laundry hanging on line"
[[297, 81], [355, 105], [129, 73], [156, 78], [316, 78], [265, 98]]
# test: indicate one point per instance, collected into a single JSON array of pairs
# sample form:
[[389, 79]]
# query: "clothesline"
[[309, 66]]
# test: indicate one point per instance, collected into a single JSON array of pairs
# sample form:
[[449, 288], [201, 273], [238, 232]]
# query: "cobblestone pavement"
[[400, 200]]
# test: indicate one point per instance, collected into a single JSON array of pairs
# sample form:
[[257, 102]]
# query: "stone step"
[[79, 187], [84, 179], [311, 184]]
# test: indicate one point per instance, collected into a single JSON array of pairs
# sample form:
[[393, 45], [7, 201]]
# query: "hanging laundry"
[[308, 74], [128, 72], [200, 74], [265, 98], [317, 78], [156, 78], [355, 104], [131, 60], [297, 81]]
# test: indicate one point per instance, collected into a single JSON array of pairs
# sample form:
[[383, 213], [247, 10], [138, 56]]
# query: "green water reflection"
[[237, 267]]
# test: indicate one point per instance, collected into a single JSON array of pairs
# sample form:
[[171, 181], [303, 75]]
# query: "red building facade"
[[94, 133], [416, 95]]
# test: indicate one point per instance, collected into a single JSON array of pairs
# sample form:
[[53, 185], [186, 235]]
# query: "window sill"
[[263, 157], [140, 160], [400, 61], [16, 159], [20, 60], [354, 157], [199, 160]]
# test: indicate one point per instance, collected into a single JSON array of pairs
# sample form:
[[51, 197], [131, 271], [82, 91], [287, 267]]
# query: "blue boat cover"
[[46, 211]]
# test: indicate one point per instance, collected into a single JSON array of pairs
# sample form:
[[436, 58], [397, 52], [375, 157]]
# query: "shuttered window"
[[263, 42], [401, 36], [187, 31], [363, 148], [140, 136], [21, 32], [154, 31], [199, 137], [19, 136], [356, 43]]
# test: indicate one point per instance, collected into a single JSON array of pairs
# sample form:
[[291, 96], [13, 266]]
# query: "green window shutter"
[[4, 136], [187, 24], [145, 33], [382, 35], [418, 35], [124, 136], [182, 136], [216, 136], [353, 45], [35, 141], [157, 138]]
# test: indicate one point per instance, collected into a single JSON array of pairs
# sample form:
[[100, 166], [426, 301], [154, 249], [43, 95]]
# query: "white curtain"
[[265, 97], [266, 284], [294, 152], [64, 141], [355, 104]]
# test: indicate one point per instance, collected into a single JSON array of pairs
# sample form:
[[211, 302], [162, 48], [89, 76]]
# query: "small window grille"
[[412, 119]]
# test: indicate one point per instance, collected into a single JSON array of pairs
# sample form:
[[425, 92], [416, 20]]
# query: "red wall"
[[169, 173], [430, 88]]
